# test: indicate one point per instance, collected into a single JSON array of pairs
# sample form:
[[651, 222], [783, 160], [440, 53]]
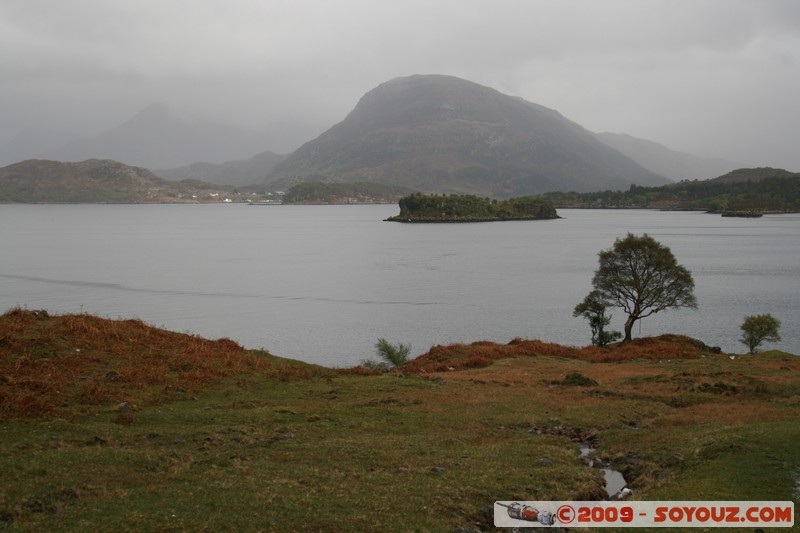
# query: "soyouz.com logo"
[[644, 514]]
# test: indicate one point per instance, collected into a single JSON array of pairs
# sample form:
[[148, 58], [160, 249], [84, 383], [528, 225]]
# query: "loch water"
[[323, 283]]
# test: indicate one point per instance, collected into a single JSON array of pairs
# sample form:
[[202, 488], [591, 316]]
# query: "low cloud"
[[715, 78]]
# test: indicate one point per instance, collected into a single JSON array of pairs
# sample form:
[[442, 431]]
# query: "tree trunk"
[[629, 327]]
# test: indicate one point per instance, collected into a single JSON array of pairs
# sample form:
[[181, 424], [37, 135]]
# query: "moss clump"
[[576, 379]]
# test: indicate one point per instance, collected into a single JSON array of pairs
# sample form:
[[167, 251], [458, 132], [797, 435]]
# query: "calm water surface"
[[322, 283]]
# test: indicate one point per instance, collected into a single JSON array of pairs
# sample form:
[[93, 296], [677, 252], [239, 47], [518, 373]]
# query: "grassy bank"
[[114, 425]]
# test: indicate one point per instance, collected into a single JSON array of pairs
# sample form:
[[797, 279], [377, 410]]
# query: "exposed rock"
[[124, 407]]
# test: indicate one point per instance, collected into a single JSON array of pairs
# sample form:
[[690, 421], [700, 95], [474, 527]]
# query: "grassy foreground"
[[115, 425]]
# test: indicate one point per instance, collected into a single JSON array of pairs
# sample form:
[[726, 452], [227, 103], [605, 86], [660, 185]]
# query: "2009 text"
[[646, 514]]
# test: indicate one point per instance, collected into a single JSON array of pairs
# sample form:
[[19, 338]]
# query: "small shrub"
[[371, 364], [394, 355]]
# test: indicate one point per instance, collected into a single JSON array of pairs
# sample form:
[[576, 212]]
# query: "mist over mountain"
[[439, 133], [156, 138], [432, 133], [237, 173], [672, 164], [29, 144]]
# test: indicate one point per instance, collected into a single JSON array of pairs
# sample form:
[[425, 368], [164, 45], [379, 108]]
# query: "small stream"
[[615, 482]]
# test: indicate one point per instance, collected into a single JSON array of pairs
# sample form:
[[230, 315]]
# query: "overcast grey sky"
[[710, 77]]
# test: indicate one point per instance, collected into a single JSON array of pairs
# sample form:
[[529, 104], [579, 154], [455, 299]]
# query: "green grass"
[[272, 445], [346, 453]]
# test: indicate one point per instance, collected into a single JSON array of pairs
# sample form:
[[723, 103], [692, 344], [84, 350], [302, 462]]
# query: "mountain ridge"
[[238, 173], [439, 133], [662, 160]]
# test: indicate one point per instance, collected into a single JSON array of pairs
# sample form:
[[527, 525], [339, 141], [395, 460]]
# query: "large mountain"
[[237, 173], [94, 180], [439, 133], [156, 138], [674, 165]]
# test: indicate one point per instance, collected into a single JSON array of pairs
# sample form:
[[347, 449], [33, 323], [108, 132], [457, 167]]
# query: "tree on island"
[[642, 276], [593, 308], [759, 328]]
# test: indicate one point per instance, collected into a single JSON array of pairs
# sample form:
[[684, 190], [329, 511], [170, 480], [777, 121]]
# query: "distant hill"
[[94, 181], [658, 158], [752, 190], [237, 173], [437, 133], [156, 138], [743, 175]]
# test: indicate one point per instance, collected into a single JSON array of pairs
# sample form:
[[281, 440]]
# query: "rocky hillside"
[[443, 134], [94, 180]]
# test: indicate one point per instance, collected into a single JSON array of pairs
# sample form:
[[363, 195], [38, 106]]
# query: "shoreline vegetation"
[[118, 425], [746, 192], [468, 208]]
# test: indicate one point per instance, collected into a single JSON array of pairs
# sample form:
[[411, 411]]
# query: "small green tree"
[[759, 328], [593, 308], [394, 355]]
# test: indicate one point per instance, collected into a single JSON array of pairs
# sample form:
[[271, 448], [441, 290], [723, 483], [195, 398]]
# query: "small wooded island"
[[469, 208]]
